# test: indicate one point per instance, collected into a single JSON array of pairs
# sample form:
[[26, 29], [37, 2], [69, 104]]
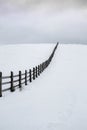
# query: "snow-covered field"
[[57, 100]]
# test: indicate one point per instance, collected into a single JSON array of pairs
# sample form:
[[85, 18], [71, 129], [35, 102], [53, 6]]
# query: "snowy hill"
[[57, 100]]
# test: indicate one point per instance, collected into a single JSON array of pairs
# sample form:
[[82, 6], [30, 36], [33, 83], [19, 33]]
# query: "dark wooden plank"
[[25, 77], [0, 84], [30, 76], [20, 85], [12, 85], [33, 73]]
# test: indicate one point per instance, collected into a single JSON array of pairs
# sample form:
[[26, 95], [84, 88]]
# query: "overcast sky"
[[49, 4], [36, 21], [34, 2]]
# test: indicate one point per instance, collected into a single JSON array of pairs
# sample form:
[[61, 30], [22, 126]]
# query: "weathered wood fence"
[[23, 78]]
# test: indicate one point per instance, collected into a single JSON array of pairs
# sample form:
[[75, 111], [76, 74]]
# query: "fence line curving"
[[24, 78]]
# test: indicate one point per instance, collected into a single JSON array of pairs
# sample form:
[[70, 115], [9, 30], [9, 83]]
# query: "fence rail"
[[24, 78]]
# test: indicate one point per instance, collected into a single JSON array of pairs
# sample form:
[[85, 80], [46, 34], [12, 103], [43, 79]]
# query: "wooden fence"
[[24, 78]]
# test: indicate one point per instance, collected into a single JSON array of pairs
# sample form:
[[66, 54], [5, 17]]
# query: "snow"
[[23, 56], [57, 100]]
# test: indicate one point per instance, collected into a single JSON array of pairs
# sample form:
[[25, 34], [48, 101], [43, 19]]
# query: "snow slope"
[[57, 100]]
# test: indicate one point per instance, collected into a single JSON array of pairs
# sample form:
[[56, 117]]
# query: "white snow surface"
[[57, 100]]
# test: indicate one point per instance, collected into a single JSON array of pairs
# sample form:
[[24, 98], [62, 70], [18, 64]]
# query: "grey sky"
[[28, 21], [47, 3]]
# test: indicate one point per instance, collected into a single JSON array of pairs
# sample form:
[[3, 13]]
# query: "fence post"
[[12, 86], [25, 77], [0, 84], [33, 73], [30, 76], [38, 70], [42, 67], [20, 79]]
